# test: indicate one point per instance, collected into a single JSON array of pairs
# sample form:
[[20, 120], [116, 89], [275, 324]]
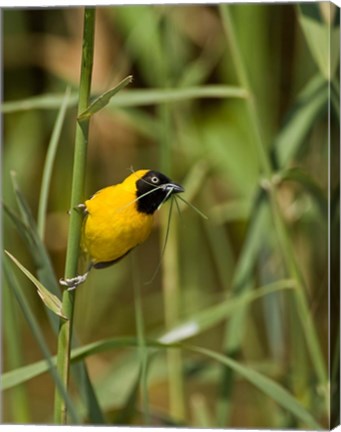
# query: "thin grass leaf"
[[25, 373], [125, 415], [163, 96], [103, 100], [27, 228], [242, 283], [142, 346], [265, 385], [51, 301], [214, 315], [200, 213], [50, 158], [131, 98], [48, 364], [14, 353], [252, 106], [92, 411], [24, 209], [45, 101], [47, 277], [252, 243], [321, 37], [23, 230], [299, 121], [143, 40]]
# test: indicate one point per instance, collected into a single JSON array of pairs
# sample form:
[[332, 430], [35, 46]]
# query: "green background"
[[239, 104]]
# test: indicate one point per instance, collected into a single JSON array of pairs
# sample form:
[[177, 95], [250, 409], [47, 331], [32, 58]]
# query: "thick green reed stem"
[[80, 154]]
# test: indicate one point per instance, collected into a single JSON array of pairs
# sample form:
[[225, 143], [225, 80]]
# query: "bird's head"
[[153, 189]]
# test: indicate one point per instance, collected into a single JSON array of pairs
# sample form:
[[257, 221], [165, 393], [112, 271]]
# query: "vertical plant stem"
[[79, 165], [172, 302], [244, 81], [170, 282], [141, 340], [307, 323], [170, 270]]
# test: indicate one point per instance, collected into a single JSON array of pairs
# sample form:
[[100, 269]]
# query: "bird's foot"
[[80, 208], [72, 283]]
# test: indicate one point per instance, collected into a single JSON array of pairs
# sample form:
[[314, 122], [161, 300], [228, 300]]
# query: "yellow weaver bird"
[[120, 217]]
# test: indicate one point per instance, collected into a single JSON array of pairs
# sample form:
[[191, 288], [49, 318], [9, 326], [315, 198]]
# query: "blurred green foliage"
[[238, 103]]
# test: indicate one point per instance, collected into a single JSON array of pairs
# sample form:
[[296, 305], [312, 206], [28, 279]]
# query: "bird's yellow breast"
[[113, 225]]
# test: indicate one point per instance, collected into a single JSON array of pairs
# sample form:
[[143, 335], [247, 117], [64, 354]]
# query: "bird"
[[118, 218]]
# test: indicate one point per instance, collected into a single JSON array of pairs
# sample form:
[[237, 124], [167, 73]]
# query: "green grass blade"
[[24, 231], [301, 302], [25, 211], [44, 102], [300, 119], [103, 100], [50, 158], [142, 348], [251, 106], [320, 37], [263, 383], [242, 283], [27, 228], [18, 376], [192, 206], [266, 386], [23, 374], [131, 98], [51, 301], [163, 96], [93, 410], [45, 365], [214, 315], [126, 414], [40, 257], [14, 355]]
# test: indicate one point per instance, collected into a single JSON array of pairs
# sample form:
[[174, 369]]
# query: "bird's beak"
[[173, 188]]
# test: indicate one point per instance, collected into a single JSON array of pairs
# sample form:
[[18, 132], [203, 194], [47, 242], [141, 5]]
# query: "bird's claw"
[[81, 208], [72, 283]]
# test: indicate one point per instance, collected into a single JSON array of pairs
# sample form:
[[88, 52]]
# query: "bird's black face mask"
[[153, 189]]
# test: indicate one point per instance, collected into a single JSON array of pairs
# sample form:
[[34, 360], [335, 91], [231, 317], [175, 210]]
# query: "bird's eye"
[[154, 180]]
